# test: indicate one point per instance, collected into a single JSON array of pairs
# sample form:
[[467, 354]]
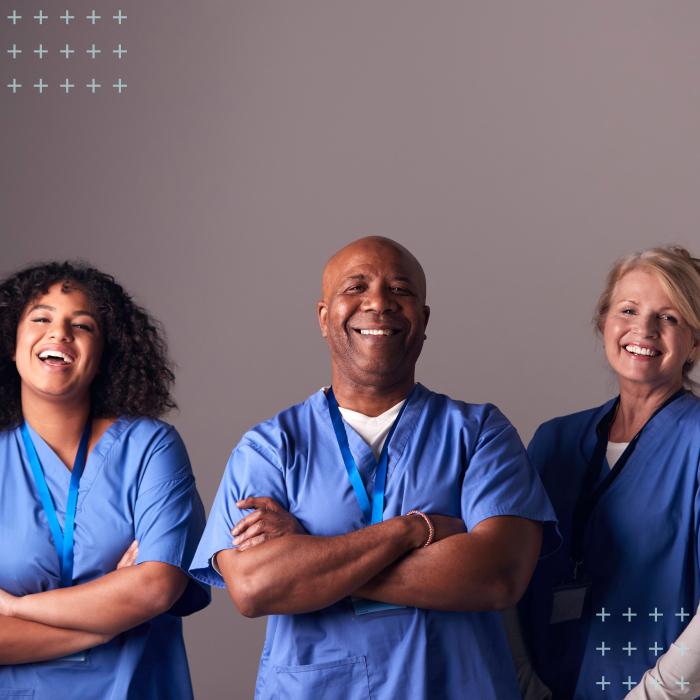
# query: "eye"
[[41, 319], [84, 327], [355, 289], [668, 317], [401, 290], [628, 311]]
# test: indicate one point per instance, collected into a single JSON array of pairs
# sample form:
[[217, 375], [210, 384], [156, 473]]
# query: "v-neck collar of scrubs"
[[361, 451], [650, 433], [56, 472]]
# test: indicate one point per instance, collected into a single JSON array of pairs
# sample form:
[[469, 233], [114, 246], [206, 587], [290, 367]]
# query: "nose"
[[380, 300], [648, 326], [61, 331]]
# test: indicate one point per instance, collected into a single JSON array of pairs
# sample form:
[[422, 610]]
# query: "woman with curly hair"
[[99, 514]]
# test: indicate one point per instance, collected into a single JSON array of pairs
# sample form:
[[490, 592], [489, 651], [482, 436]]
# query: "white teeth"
[[376, 331], [55, 355], [638, 350]]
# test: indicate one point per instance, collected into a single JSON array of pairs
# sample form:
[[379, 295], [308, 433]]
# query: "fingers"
[[260, 502], [129, 557], [253, 541], [246, 522], [259, 527]]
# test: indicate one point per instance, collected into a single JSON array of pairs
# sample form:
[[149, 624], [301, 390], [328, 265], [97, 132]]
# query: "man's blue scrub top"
[[137, 484], [445, 457], [641, 549]]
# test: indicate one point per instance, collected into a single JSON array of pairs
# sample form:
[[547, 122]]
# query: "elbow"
[[247, 596], [506, 591], [163, 588], [254, 588]]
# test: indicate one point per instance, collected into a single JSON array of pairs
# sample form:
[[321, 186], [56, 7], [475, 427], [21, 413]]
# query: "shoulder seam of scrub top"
[[262, 450], [177, 478]]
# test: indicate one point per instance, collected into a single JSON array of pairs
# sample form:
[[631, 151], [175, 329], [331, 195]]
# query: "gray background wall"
[[516, 148]]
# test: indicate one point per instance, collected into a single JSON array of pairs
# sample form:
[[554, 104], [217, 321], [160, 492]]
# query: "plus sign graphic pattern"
[[35, 37], [625, 647]]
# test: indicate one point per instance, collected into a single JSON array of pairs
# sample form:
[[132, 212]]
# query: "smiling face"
[[647, 342], [59, 346], [373, 314]]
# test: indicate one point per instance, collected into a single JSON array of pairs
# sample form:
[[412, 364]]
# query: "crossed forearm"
[[108, 605], [301, 573], [463, 572], [24, 642]]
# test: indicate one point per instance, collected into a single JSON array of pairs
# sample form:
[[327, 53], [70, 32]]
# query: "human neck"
[[637, 405], [60, 424], [370, 400]]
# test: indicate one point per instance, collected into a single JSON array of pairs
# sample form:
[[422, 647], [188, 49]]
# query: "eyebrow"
[[399, 278], [79, 312], [636, 303]]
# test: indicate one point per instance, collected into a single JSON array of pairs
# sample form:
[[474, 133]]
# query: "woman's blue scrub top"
[[444, 457], [137, 484], [641, 550]]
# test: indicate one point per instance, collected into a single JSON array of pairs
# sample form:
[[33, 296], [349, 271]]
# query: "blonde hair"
[[679, 275]]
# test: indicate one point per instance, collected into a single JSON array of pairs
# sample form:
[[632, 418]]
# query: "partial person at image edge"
[[623, 479], [99, 511]]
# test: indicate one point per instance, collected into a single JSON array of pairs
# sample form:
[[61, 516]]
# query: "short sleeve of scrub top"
[[166, 507], [250, 471]]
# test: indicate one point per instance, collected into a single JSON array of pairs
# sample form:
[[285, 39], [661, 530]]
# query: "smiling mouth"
[[55, 358], [639, 350], [376, 331]]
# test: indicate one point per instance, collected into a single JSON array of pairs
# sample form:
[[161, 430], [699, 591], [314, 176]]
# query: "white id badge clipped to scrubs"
[[568, 601]]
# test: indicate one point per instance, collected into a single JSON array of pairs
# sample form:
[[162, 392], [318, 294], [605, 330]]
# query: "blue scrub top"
[[445, 457], [137, 484], [641, 550]]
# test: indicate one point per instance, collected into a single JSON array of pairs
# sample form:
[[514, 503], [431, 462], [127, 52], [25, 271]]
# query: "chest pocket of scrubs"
[[345, 678], [7, 693]]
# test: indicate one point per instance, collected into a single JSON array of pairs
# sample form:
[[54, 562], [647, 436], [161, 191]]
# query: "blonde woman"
[[623, 479]]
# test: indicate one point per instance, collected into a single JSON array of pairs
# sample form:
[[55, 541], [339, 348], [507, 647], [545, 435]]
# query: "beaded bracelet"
[[428, 522]]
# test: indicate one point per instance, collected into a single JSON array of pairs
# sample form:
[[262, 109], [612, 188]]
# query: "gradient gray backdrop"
[[516, 148]]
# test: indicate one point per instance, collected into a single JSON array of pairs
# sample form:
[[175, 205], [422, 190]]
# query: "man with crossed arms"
[[388, 522]]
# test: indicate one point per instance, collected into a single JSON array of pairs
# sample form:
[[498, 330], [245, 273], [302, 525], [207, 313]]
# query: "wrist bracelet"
[[429, 524]]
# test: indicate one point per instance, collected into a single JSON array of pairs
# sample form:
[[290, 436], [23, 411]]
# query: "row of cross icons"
[[603, 614], [603, 648], [93, 86], [40, 51], [67, 17], [629, 683]]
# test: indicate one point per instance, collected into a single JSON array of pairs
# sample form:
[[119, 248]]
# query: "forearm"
[[468, 571], [22, 641], [301, 573], [111, 604]]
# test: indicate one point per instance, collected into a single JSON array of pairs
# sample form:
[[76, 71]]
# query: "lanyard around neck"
[[591, 493], [62, 540], [373, 513]]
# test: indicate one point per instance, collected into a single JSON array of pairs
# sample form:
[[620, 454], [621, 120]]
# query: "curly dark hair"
[[135, 375]]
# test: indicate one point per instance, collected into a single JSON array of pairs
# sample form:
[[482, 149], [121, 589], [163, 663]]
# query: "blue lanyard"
[[375, 513], [62, 540]]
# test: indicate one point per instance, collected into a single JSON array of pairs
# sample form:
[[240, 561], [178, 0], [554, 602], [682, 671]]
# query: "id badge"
[[80, 657], [362, 606], [568, 601]]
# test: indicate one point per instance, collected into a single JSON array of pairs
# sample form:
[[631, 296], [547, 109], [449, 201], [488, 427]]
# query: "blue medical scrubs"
[[641, 550], [444, 457], [137, 484]]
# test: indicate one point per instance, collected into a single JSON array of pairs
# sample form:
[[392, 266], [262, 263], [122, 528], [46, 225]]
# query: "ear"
[[426, 315], [322, 313]]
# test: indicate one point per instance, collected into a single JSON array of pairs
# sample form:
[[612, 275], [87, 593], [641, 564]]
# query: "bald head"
[[365, 250]]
